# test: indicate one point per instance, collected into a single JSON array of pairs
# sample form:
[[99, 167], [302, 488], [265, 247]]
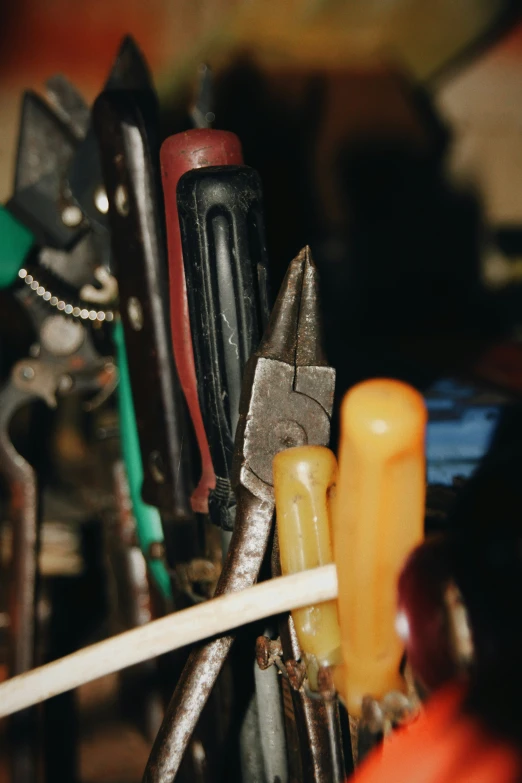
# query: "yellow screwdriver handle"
[[304, 483], [378, 518]]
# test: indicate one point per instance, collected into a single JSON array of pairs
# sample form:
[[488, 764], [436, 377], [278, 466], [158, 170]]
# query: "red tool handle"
[[183, 152], [444, 745]]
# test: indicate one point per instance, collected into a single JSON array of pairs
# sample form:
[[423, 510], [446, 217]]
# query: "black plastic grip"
[[224, 254]]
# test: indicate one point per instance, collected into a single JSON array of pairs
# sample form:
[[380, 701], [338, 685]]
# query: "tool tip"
[[294, 333], [309, 349], [387, 411], [280, 338], [129, 69], [41, 135]]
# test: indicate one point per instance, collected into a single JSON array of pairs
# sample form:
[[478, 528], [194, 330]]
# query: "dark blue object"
[[461, 425]]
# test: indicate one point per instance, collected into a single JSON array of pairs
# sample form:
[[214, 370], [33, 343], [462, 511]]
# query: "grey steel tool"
[[287, 397]]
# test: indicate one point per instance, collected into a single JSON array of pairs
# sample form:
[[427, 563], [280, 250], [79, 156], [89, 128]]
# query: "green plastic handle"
[[148, 521], [15, 242]]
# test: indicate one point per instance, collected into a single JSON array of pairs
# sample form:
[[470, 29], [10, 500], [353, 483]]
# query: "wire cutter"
[[286, 400]]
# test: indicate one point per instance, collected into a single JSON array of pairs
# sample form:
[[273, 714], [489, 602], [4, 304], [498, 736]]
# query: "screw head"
[[27, 373]]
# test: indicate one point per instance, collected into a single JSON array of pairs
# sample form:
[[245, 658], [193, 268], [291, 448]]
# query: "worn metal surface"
[[68, 104], [45, 148], [67, 361], [63, 358], [278, 363], [240, 571], [129, 72], [378, 719], [129, 177], [250, 753], [271, 724], [311, 719], [22, 587]]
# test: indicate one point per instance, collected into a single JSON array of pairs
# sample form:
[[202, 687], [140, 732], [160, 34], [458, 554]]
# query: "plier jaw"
[[290, 386]]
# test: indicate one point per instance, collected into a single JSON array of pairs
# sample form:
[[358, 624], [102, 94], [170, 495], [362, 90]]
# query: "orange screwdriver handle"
[[304, 483], [378, 519]]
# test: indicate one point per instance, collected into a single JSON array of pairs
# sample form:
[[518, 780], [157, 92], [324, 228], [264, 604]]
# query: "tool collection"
[[191, 426]]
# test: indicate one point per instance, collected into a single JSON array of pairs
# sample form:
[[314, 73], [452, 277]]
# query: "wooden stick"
[[211, 618]]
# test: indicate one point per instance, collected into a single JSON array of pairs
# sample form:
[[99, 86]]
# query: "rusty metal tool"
[[67, 362], [287, 396], [137, 243], [311, 718]]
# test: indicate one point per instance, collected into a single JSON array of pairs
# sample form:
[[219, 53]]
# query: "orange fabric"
[[442, 746]]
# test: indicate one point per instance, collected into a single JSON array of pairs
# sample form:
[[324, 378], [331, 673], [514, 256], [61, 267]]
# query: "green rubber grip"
[[15, 242], [148, 522]]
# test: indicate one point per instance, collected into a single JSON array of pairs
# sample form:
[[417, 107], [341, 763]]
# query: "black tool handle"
[[224, 254]]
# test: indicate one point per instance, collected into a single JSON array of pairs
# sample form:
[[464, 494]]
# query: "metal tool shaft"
[[246, 553]]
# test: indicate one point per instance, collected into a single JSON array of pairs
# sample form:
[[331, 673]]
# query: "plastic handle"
[[224, 254], [378, 520], [183, 152], [16, 242], [304, 484], [148, 521]]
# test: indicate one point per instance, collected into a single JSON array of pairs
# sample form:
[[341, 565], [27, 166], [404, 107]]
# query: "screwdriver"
[[183, 152], [378, 519], [304, 483], [224, 254], [304, 486]]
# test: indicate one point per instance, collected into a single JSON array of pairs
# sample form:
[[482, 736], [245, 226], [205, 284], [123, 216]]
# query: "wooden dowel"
[[213, 617]]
